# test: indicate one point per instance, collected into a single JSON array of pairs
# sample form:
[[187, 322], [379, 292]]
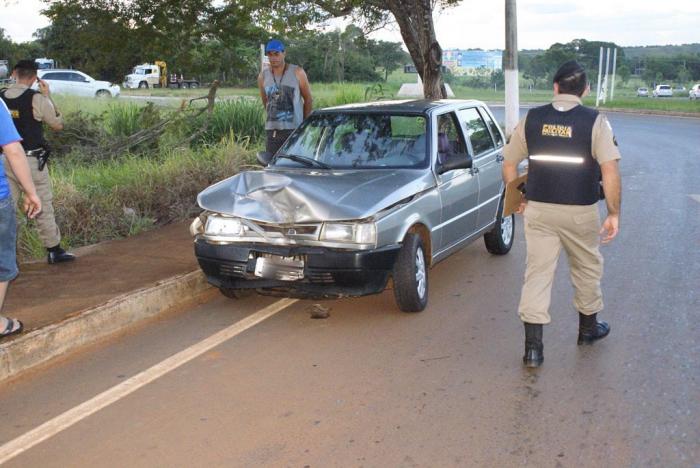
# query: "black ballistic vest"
[[30, 129], [550, 132]]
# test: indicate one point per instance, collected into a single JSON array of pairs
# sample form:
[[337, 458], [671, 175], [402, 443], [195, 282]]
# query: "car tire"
[[184, 85], [236, 293], [103, 94], [410, 275], [143, 85], [499, 240], [194, 85]]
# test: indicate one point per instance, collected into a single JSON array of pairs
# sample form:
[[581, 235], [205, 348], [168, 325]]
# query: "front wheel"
[[411, 275], [143, 85], [499, 240], [103, 94]]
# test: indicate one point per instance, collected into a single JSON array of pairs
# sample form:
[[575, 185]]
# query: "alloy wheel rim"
[[420, 273], [507, 230]]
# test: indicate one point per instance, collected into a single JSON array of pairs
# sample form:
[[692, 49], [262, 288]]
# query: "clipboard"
[[513, 195]]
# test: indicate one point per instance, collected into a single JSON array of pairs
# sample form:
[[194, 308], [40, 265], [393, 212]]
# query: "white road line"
[[106, 398]]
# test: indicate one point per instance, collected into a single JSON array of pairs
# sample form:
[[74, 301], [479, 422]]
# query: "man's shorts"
[[275, 139], [8, 240]]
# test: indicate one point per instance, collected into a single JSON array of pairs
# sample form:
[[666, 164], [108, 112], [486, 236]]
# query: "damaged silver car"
[[358, 195]]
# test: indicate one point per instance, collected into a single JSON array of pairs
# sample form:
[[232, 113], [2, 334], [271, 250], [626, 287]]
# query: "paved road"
[[370, 386]]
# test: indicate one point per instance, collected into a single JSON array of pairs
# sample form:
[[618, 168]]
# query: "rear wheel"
[[194, 85], [499, 240], [103, 93], [184, 85], [236, 293], [411, 275]]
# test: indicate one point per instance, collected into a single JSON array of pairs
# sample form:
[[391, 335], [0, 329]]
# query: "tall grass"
[[240, 118]]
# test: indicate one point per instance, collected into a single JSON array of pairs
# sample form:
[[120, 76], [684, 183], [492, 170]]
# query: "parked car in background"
[[694, 92], [642, 92], [663, 91], [77, 83], [679, 90], [358, 195]]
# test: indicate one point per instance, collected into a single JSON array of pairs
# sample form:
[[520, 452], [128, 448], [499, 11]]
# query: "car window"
[[59, 76], [450, 144], [476, 130], [495, 133], [76, 77], [359, 141]]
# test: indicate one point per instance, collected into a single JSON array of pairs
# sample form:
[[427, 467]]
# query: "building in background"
[[472, 62]]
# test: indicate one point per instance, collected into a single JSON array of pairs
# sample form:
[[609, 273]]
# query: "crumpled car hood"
[[292, 197]]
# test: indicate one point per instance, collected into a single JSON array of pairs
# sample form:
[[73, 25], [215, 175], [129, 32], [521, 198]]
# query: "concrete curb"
[[91, 325]]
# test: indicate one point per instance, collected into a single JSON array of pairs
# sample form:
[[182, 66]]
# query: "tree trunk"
[[415, 20]]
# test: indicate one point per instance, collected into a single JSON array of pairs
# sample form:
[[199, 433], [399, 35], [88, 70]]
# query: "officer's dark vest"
[[555, 140], [30, 129]]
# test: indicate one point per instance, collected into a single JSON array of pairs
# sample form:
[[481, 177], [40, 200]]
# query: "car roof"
[[50, 70], [408, 106]]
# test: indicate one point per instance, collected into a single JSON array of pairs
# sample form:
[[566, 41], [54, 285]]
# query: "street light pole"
[[510, 65]]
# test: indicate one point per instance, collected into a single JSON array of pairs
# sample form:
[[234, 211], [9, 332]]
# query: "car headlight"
[[222, 226], [357, 233]]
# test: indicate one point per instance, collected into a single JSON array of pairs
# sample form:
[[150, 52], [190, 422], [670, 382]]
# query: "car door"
[[486, 143], [459, 188], [81, 85], [57, 81]]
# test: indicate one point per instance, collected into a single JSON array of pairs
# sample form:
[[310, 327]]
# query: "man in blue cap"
[[286, 95]]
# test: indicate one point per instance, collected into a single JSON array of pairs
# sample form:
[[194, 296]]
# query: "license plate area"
[[280, 268]]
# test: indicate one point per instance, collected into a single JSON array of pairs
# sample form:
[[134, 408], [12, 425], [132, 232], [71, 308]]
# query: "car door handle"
[[474, 170], [499, 157]]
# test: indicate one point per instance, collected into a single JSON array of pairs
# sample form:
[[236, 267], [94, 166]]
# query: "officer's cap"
[[568, 71]]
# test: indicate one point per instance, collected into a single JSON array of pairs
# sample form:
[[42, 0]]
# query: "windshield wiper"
[[304, 160]]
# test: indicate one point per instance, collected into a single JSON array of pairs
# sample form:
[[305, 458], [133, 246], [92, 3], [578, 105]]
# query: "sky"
[[480, 24]]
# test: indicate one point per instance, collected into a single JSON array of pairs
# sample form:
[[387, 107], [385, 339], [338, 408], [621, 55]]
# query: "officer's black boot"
[[534, 350], [590, 329], [57, 255]]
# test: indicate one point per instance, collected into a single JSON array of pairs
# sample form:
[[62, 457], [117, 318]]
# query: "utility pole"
[[612, 86], [600, 78], [607, 73], [510, 65]]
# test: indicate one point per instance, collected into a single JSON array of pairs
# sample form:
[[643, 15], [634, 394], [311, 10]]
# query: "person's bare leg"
[[3, 291]]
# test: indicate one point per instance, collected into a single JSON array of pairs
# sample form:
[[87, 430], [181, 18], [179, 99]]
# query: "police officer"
[[569, 148], [30, 110]]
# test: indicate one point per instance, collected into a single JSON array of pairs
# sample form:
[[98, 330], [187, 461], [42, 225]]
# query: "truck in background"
[[45, 63], [155, 75]]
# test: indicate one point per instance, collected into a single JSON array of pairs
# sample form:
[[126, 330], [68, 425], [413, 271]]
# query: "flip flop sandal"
[[13, 326]]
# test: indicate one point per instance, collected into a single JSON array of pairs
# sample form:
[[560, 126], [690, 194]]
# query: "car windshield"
[[357, 141]]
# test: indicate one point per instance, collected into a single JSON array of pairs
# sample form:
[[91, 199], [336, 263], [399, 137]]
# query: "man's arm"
[[305, 90], [261, 88], [46, 108], [14, 153], [514, 152], [612, 186]]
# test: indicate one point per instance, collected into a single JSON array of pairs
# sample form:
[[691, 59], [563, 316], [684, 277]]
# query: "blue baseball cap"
[[275, 45]]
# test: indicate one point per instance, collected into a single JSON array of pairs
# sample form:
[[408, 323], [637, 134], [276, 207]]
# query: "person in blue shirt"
[[14, 154]]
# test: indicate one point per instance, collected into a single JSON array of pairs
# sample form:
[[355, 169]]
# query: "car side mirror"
[[264, 158], [454, 163]]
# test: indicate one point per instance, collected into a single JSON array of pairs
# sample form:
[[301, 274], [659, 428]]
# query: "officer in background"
[[568, 147], [30, 110], [286, 95]]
